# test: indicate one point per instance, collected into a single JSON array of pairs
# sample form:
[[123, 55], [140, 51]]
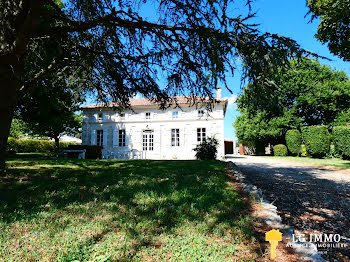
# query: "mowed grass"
[[321, 162], [66, 210]]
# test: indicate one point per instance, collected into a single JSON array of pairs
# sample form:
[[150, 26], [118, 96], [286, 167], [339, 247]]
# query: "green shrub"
[[341, 140], [207, 150], [33, 146], [280, 150], [12, 146], [92, 152], [293, 141], [317, 140]]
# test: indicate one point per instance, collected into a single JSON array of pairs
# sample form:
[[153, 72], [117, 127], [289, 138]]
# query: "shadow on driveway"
[[304, 199]]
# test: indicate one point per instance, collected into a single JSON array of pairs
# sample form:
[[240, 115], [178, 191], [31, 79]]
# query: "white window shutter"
[[115, 137], [105, 137], [168, 137], [93, 137], [182, 137], [127, 138]]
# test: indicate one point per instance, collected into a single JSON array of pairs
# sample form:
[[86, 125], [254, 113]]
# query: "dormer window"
[[148, 115], [175, 114], [122, 116], [99, 117], [200, 113]]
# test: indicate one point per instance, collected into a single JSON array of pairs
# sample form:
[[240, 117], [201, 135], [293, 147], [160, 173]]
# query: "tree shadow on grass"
[[144, 198]]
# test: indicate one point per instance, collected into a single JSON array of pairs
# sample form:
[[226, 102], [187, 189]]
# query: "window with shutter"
[[121, 139], [175, 137], [175, 114], [99, 137], [201, 135]]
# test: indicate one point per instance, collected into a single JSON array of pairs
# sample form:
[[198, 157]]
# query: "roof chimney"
[[218, 93]]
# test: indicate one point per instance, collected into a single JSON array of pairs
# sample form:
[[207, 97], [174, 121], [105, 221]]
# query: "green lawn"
[[66, 210], [331, 162]]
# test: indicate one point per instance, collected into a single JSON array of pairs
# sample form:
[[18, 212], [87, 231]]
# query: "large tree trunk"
[[9, 84], [18, 22], [57, 144]]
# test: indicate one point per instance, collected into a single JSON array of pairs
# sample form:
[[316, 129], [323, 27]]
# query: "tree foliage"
[[50, 110], [334, 27], [309, 93], [119, 52], [342, 118], [18, 129]]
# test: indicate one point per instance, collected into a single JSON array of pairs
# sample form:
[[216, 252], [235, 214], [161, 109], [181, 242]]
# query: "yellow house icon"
[[273, 236]]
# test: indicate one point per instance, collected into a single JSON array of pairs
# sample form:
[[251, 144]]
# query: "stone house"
[[146, 132]]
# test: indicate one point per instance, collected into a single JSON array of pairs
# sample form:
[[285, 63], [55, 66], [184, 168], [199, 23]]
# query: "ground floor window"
[[201, 135], [175, 137], [147, 140], [99, 137], [121, 140]]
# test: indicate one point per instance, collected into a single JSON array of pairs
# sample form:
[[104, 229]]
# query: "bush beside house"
[[316, 140], [294, 141], [280, 150], [208, 149], [341, 140]]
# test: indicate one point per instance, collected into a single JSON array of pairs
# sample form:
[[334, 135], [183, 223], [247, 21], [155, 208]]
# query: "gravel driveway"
[[312, 200]]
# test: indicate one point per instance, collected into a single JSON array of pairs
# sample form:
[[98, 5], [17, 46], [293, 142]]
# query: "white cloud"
[[231, 99]]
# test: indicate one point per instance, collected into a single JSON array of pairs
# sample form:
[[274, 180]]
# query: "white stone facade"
[[150, 133]]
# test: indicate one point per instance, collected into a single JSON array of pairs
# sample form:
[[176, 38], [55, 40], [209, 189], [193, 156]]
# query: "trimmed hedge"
[[280, 150], [316, 140], [293, 141], [341, 140], [33, 146], [92, 152]]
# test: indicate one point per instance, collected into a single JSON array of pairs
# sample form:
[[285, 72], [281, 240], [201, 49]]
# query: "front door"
[[147, 140]]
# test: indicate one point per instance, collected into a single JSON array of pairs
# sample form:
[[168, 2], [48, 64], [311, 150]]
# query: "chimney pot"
[[218, 93]]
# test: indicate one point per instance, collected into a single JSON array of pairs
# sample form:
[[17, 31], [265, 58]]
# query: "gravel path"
[[312, 200]]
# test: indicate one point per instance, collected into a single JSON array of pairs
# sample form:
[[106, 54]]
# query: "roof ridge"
[[148, 102]]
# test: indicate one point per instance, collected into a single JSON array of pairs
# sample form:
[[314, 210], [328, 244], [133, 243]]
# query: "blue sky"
[[285, 18]]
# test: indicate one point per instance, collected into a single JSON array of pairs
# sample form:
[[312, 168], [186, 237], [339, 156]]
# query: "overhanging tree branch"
[[56, 63], [28, 27]]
